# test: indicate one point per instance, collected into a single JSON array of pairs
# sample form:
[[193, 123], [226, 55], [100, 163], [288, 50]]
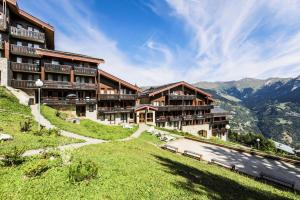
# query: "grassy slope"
[[138, 170], [11, 114], [88, 127]]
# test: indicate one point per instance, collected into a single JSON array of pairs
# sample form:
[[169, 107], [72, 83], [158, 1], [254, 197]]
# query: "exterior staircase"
[[21, 95]]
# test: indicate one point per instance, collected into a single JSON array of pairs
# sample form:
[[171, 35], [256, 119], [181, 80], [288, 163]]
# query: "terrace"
[[85, 71], [27, 34], [24, 67], [23, 50]]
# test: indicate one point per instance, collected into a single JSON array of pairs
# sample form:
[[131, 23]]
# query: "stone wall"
[[4, 72]]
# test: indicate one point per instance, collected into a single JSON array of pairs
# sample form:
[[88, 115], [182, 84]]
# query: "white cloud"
[[221, 43]]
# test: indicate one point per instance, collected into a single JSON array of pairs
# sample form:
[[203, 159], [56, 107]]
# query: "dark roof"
[[153, 90]]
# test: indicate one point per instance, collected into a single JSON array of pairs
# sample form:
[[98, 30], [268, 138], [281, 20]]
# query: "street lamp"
[[227, 127], [39, 84], [258, 140]]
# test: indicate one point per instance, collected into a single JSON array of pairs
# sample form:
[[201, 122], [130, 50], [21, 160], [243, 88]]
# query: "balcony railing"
[[27, 35], [183, 107], [221, 122], [85, 71], [65, 101], [115, 109], [57, 84], [181, 97], [24, 67], [54, 68], [85, 86], [23, 50], [161, 119], [128, 96], [118, 96], [175, 118], [23, 83]]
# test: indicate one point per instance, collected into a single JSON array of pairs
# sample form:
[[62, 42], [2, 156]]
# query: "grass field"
[[88, 127], [137, 170], [11, 114]]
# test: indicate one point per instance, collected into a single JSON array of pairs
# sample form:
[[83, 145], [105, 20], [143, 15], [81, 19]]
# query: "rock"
[[5, 137]]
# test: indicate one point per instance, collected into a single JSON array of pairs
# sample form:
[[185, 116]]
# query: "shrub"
[[82, 170], [26, 125], [44, 131], [51, 154], [14, 158], [37, 169]]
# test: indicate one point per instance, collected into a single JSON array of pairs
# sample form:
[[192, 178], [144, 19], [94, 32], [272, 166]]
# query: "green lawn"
[[137, 170], [87, 127], [11, 114]]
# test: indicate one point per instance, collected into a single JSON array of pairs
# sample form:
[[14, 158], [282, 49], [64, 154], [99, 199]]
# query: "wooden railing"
[[118, 96], [26, 34], [221, 122], [57, 84], [23, 83], [65, 101], [181, 97], [54, 68], [24, 67], [85, 71], [84, 86], [114, 109], [23, 50], [183, 107]]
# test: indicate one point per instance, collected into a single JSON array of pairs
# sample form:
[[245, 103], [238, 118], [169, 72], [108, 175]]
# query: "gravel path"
[[88, 140]]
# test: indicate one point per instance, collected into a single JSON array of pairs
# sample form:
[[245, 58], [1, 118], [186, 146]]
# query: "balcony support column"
[[43, 73], [6, 49], [72, 75]]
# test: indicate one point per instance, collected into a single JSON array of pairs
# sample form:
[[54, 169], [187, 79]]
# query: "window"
[[19, 43], [19, 60], [65, 78], [19, 26], [54, 62], [19, 76], [30, 45], [36, 77], [30, 28], [50, 77], [91, 108], [36, 46], [36, 30]]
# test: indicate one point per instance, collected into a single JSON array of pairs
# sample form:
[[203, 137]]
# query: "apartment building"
[[74, 82]]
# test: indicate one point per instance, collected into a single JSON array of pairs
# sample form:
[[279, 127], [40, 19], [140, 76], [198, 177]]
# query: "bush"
[[82, 170], [44, 131], [50, 154], [14, 158], [26, 125], [37, 169]]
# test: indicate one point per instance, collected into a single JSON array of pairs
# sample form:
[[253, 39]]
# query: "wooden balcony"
[[27, 35], [64, 101], [184, 107], [24, 67], [175, 118], [118, 96], [85, 71], [54, 68], [23, 83], [108, 97], [188, 117], [23, 50], [161, 119], [128, 96], [84, 86], [181, 97], [107, 110], [57, 84], [221, 122]]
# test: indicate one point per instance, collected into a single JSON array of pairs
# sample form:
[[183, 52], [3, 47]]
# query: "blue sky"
[[151, 42]]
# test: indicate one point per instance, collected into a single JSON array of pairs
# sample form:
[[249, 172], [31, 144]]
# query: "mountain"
[[270, 107]]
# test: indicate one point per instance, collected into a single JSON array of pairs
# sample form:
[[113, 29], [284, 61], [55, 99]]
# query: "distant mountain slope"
[[270, 106]]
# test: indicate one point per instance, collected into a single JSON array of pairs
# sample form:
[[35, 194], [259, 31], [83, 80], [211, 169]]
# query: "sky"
[[152, 42]]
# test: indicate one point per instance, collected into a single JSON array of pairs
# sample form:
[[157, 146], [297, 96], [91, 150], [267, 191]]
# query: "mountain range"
[[270, 107]]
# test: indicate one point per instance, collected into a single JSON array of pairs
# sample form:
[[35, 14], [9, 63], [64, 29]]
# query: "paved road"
[[245, 162]]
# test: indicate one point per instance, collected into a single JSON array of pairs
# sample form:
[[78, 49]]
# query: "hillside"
[[270, 106]]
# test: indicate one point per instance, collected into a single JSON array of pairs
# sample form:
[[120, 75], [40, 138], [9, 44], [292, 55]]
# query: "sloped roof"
[[155, 90], [125, 83]]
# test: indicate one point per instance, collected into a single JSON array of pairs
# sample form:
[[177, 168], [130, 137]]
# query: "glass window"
[[50, 77], [19, 43], [36, 30], [30, 45], [30, 28], [36, 46], [19, 26], [19, 60]]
